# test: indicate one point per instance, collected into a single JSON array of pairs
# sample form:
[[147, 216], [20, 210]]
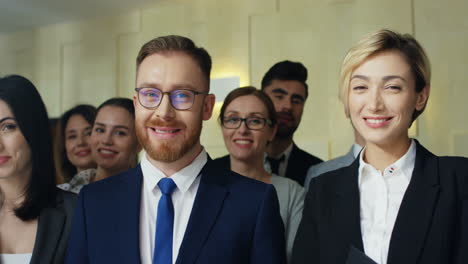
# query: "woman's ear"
[[422, 98]]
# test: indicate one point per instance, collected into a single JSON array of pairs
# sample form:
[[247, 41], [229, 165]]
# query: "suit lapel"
[[207, 205], [295, 162], [416, 210], [349, 157], [128, 218], [345, 216], [49, 231]]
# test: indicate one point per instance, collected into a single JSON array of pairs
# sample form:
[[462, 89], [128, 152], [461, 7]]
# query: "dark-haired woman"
[[35, 216], [73, 153], [113, 141], [248, 122]]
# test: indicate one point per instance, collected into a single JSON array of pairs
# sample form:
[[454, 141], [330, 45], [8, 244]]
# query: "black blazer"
[[53, 230], [299, 163], [431, 226]]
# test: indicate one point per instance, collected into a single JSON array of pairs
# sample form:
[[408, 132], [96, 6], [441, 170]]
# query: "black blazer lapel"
[[207, 205], [49, 231], [346, 215], [416, 210], [296, 165]]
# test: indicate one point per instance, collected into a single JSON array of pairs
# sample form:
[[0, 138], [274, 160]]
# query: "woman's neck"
[[78, 170], [102, 173], [253, 168], [382, 156], [12, 191]]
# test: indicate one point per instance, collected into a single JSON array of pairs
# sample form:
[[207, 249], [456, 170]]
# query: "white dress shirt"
[[283, 164], [380, 199], [187, 182]]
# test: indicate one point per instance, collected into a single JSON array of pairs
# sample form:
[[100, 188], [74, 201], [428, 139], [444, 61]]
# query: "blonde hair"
[[385, 40]]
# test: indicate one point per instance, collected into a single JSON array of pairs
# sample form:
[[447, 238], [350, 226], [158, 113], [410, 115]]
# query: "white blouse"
[[381, 194], [15, 258]]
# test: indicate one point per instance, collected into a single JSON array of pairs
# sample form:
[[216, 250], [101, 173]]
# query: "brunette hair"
[[286, 71], [250, 90], [63, 165], [30, 114]]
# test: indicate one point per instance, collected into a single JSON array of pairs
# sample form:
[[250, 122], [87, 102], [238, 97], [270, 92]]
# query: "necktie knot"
[[167, 186], [274, 163]]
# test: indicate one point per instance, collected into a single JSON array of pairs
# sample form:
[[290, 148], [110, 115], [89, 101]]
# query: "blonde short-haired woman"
[[397, 202]]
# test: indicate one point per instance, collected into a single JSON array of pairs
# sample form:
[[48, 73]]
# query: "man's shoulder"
[[223, 162], [333, 164], [124, 179], [234, 182], [305, 156], [327, 166]]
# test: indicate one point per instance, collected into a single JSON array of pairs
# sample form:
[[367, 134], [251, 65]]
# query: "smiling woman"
[[397, 202], [113, 142], [35, 217], [249, 124], [73, 153]]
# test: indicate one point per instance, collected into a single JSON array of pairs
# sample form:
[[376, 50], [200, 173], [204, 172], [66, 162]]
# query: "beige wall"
[[90, 61]]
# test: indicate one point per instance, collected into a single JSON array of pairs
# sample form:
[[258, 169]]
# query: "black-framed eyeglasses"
[[252, 123], [181, 99]]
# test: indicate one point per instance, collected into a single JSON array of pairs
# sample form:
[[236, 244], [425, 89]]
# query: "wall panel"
[[93, 60], [442, 28]]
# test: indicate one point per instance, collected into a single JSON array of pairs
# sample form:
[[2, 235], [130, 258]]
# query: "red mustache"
[[161, 123]]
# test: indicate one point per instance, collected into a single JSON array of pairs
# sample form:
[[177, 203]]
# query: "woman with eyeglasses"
[[35, 216], [248, 121], [397, 202], [113, 141]]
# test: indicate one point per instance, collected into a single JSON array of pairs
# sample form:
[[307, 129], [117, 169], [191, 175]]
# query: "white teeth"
[[376, 121], [165, 131], [106, 151], [243, 142]]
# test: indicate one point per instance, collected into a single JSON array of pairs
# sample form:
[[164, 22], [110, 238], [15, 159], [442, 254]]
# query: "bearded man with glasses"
[[177, 206]]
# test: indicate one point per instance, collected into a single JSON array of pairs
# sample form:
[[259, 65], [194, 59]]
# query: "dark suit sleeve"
[[269, 242], [462, 241], [77, 246], [305, 249]]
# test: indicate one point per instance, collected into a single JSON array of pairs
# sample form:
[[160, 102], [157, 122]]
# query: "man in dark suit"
[[286, 85], [176, 206]]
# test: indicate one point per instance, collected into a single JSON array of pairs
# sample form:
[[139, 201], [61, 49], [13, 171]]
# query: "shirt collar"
[[356, 148], [286, 153], [405, 164], [183, 179]]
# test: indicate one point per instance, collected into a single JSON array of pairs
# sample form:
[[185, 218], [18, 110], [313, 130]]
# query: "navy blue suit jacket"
[[234, 219]]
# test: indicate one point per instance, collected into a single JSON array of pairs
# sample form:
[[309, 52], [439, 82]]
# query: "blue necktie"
[[164, 223]]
